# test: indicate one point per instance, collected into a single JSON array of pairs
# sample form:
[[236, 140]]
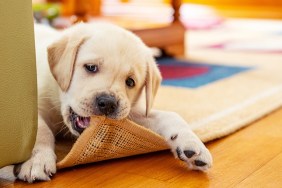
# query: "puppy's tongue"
[[82, 122]]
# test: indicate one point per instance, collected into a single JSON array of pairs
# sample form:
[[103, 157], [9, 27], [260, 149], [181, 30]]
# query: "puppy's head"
[[101, 70]]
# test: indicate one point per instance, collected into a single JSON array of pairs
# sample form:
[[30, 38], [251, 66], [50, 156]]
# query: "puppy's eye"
[[91, 68], [130, 82]]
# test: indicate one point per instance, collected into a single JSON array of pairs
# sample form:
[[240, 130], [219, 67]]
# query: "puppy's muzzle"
[[107, 104]]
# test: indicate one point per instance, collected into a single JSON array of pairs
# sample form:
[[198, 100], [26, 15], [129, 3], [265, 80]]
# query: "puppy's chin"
[[77, 123]]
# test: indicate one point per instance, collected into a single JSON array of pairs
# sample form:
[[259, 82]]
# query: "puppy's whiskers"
[[60, 122], [55, 107], [63, 128]]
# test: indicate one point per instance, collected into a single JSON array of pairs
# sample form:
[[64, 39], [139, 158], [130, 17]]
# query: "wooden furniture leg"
[[169, 38]]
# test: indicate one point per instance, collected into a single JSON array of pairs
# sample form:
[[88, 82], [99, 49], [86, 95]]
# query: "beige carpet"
[[213, 110], [228, 105]]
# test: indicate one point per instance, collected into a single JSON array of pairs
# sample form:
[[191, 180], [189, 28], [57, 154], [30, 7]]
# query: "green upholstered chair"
[[18, 91]]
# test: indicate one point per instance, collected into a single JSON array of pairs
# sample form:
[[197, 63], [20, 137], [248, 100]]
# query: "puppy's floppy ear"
[[62, 56], [152, 83]]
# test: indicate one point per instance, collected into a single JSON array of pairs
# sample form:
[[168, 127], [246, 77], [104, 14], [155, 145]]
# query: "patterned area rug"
[[222, 89], [218, 99]]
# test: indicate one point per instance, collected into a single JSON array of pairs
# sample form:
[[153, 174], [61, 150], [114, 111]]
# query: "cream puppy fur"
[[99, 69]]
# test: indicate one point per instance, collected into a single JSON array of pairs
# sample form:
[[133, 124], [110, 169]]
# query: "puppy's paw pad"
[[199, 163], [202, 162], [189, 153]]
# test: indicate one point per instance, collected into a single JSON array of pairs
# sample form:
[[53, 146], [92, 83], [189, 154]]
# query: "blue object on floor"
[[184, 73]]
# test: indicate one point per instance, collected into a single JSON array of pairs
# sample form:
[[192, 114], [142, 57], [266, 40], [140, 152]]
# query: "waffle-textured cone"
[[107, 139]]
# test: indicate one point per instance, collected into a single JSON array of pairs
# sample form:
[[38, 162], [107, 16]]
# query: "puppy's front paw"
[[41, 166], [187, 147]]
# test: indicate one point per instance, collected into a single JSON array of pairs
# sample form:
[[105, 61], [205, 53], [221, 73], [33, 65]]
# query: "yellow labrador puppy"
[[99, 69]]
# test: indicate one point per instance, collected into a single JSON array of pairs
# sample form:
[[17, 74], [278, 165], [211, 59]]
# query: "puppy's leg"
[[42, 163], [183, 142]]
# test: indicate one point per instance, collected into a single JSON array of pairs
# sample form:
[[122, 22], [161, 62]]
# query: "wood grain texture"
[[269, 175], [252, 157]]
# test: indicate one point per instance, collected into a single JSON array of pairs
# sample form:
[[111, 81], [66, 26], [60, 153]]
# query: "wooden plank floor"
[[251, 157]]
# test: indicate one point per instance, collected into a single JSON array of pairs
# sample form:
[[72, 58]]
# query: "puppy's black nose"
[[107, 104]]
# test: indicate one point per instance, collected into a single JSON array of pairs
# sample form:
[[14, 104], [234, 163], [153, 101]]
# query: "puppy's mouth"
[[78, 122]]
